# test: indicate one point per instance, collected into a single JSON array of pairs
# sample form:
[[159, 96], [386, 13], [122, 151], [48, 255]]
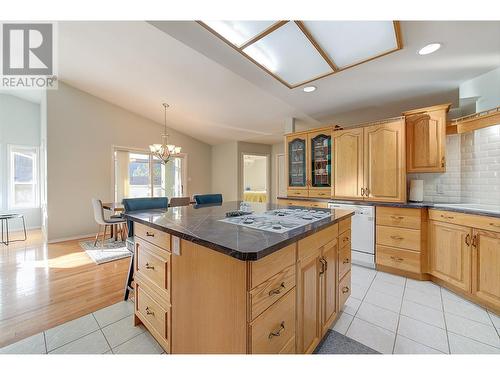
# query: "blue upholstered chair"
[[138, 204], [208, 198]]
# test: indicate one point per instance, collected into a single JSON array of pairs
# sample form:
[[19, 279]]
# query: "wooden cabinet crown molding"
[[438, 107], [475, 121]]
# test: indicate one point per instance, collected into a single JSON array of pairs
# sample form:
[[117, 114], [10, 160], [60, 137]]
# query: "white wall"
[[486, 87], [82, 129], [225, 170], [19, 125]]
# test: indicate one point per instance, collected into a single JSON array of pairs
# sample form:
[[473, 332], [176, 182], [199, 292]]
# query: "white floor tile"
[[114, 313], [358, 291], [406, 346], [464, 345], [342, 323], [423, 333], [423, 298], [372, 336], [466, 309], [351, 305], [495, 319], [95, 343], [362, 276], [123, 330], [486, 334], [424, 286], [31, 345], [423, 313], [393, 279], [446, 294], [142, 344], [392, 289], [383, 300], [70, 331], [377, 315]]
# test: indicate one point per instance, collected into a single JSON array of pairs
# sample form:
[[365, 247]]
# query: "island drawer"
[[344, 260], [315, 241], [272, 331], [262, 269], [345, 239], [154, 236], [344, 289], [410, 218], [153, 265], [398, 237], [271, 290], [154, 316], [344, 225], [397, 258]]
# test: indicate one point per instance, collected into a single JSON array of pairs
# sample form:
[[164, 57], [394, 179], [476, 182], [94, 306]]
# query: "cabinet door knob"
[[278, 331], [277, 290], [345, 289], [443, 162], [346, 261]]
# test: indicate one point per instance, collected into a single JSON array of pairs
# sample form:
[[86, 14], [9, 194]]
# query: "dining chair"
[[101, 220], [208, 198], [131, 205], [180, 201]]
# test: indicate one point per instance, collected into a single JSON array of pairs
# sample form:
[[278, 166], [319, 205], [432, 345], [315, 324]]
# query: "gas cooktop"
[[279, 221]]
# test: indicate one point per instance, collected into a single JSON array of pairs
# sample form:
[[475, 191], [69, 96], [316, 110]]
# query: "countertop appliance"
[[280, 220], [362, 233]]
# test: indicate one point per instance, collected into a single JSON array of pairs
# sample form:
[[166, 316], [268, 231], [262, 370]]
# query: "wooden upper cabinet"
[[450, 253], [384, 162], [486, 267], [426, 139], [348, 172], [320, 160], [297, 166]]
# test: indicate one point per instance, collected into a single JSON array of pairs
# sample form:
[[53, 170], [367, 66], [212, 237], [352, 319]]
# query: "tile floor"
[[106, 331], [387, 313], [393, 314]]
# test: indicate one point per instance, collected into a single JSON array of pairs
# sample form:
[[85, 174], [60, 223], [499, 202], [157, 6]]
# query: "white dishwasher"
[[362, 233]]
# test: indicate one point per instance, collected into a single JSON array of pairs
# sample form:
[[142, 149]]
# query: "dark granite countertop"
[[430, 205], [201, 225]]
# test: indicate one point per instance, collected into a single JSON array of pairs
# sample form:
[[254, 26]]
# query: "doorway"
[[256, 178]]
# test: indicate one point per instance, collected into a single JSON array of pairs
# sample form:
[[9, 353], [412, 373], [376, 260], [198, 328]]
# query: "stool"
[[5, 222]]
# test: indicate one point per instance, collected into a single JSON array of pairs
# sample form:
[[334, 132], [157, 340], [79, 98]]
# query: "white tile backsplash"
[[472, 170]]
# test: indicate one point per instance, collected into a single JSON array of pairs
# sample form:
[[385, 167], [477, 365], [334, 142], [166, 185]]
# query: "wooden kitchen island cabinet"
[[195, 295]]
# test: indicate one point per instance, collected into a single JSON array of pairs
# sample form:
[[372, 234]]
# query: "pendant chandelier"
[[164, 151]]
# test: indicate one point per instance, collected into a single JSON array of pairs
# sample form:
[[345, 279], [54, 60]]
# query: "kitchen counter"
[[202, 225], [465, 208]]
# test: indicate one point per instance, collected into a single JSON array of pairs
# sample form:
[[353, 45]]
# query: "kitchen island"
[[271, 281]]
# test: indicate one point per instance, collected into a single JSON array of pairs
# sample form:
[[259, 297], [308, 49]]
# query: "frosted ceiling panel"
[[239, 32], [350, 42], [288, 54]]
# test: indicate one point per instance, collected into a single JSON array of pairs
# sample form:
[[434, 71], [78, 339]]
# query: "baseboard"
[[21, 229], [72, 238]]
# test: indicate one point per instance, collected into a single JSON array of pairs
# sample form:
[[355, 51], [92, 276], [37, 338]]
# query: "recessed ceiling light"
[[309, 88], [430, 48]]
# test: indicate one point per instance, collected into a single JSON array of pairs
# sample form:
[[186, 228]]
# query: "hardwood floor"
[[42, 285]]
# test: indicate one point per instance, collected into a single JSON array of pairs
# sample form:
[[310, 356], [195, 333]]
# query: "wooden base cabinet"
[[486, 266]]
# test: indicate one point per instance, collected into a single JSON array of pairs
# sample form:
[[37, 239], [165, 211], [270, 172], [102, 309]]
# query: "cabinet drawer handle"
[[447, 217], [467, 239], [149, 234], [397, 238], [149, 312], [443, 162], [321, 193], [149, 267], [345, 289], [346, 261], [367, 192], [362, 192], [474, 240], [324, 266], [278, 331], [495, 225], [277, 290], [397, 259], [397, 217]]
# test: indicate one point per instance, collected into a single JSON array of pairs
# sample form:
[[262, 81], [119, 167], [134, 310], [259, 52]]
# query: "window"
[[23, 177], [138, 174]]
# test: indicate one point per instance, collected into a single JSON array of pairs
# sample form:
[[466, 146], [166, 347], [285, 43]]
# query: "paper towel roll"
[[417, 190]]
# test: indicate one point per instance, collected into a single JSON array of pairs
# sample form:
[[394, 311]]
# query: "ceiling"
[[217, 95]]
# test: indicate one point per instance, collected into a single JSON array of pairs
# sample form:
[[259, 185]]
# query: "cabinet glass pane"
[[321, 162], [297, 163]]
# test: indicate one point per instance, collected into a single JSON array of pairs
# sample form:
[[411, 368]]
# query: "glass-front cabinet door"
[[297, 162], [320, 175]]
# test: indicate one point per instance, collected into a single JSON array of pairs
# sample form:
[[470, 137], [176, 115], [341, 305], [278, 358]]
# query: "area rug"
[[113, 250], [337, 343]]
